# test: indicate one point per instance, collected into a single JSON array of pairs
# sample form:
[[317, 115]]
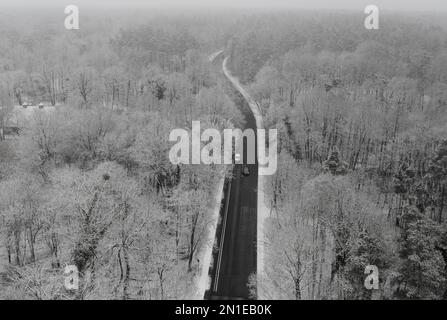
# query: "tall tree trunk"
[[297, 289], [126, 274], [31, 241], [441, 207], [17, 247], [8, 250], [128, 94], [191, 242], [160, 272]]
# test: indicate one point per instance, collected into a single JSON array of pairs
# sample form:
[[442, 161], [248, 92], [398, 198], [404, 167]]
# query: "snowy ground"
[[204, 281], [20, 114]]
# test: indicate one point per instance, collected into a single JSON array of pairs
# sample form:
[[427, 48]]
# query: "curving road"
[[236, 259]]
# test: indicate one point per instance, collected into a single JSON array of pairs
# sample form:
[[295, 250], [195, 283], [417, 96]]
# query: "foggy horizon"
[[393, 5]]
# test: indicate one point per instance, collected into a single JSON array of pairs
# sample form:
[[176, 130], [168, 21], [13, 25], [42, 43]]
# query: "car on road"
[[237, 157], [245, 171]]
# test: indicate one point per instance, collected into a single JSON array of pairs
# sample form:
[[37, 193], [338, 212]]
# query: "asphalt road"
[[237, 259]]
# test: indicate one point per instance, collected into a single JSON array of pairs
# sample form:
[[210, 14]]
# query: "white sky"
[[399, 5]]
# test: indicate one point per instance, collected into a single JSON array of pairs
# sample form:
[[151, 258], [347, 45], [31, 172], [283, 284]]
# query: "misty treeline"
[[89, 183], [362, 172], [110, 61]]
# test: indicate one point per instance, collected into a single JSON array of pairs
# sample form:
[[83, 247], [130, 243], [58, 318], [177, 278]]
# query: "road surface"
[[236, 259]]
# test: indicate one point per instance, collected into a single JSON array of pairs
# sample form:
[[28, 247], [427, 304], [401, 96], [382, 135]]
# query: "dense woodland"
[[362, 172], [88, 181]]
